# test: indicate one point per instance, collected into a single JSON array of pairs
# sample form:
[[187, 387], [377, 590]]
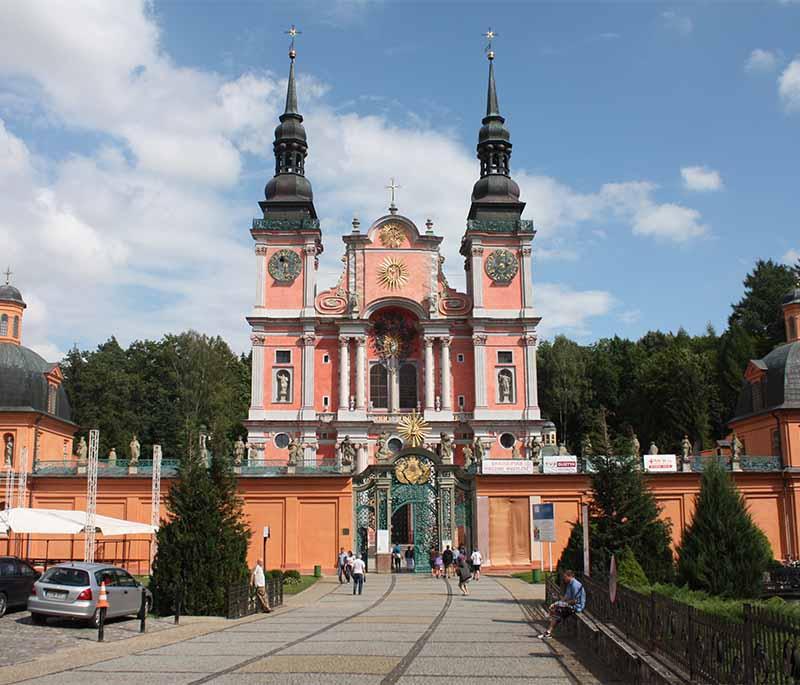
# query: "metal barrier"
[[242, 599]]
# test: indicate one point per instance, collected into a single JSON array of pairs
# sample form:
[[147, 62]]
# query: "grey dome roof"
[[781, 386], [495, 188], [792, 296], [288, 188], [23, 385], [9, 293]]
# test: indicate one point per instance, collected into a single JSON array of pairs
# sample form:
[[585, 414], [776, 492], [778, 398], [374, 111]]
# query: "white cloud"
[[762, 61], [789, 86], [141, 236], [701, 179], [791, 257], [630, 316], [677, 22]]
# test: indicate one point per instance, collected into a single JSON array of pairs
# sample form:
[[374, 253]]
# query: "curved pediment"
[[394, 231]]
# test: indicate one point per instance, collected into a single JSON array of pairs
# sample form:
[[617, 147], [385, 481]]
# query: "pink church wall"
[[280, 295]]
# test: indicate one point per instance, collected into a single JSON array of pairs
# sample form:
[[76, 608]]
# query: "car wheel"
[[38, 619], [3, 604]]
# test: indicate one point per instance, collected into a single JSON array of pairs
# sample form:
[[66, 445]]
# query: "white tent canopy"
[[58, 522]]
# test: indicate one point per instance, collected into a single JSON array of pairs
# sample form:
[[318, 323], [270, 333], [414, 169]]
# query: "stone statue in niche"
[[468, 456], [477, 448], [515, 453], [348, 451], [504, 385], [736, 452], [82, 451], [252, 453], [9, 450], [562, 450], [238, 451], [653, 448], [112, 457], [686, 449], [535, 450], [586, 447], [382, 451], [352, 403], [282, 379], [637, 448], [437, 405], [135, 451], [446, 448]]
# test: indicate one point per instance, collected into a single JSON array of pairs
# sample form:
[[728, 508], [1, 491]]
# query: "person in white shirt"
[[359, 569], [258, 580], [476, 559]]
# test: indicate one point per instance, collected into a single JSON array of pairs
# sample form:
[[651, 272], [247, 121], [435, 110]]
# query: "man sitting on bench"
[[572, 602]]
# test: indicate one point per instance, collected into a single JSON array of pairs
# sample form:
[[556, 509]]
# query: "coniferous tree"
[[723, 552], [202, 548], [623, 513]]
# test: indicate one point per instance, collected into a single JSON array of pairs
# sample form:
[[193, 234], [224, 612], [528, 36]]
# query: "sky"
[[656, 146]]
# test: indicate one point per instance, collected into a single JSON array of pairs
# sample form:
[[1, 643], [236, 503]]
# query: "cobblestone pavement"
[[404, 629], [22, 641]]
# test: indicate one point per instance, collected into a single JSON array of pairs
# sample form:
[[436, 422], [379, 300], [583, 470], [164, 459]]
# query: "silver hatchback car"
[[72, 590]]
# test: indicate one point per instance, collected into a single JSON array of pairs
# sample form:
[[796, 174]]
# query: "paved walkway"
[[403, 629]]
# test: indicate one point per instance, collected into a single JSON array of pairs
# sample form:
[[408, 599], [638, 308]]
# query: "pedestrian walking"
[[456, 555], [397, 555], [341, 566], [437, 566], [464, 573], [572, 602], [447, 558], [409, 555], [476, 560], [259, 581], [348, 567], [359, 571]]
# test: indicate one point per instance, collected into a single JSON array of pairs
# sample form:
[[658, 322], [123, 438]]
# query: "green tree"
[[623, 513], [564, 383], [722, 552], [759, 311], [202, 547]]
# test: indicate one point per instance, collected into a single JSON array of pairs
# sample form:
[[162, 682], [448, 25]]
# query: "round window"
[[281, 441], [395, 444], [507, 440]]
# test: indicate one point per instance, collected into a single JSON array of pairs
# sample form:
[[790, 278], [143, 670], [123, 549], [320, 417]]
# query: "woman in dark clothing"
[[464, 575]]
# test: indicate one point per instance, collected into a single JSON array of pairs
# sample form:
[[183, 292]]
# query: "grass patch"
[[527, 576], [292, 588]]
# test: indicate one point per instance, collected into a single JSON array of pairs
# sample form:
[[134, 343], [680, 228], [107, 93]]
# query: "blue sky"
[[656, 146]]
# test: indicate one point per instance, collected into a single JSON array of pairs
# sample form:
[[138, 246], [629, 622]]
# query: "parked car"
[[16, 579], [71, 590]]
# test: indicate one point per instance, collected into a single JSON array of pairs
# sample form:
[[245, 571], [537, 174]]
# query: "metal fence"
[[242, 599], [763, 648]]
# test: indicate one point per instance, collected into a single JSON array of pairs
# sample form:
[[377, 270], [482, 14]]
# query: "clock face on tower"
[[284, 266], [501, 266]]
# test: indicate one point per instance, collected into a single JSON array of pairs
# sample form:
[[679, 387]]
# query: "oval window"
[[281, 441], [507, 440], [395, 444]]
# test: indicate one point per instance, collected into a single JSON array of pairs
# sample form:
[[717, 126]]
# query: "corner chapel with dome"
[[391, 408]]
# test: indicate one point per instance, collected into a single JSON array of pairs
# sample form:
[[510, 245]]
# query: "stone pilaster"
[[479, 345], [344, 373], [531, 378], [361, 383], [257, 373], [476, 274], [261, 275], [447, 394], [526, 273], [310, 277], [429, 389], [309, 342]]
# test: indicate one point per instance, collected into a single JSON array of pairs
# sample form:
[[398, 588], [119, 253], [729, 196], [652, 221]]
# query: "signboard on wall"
[[383, 542], [544, 523], [560, 463], [507, 467], [660, 463]]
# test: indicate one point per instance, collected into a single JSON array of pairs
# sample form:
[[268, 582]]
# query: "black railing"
[[783, 581], [762, 648], [242, 599]]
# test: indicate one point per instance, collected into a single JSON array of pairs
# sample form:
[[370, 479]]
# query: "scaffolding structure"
[[155, 496], [9, 501], [23, 477], [91, 495]]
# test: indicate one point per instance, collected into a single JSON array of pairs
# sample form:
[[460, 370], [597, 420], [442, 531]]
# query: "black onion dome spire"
[[288, 194], [495, 194]]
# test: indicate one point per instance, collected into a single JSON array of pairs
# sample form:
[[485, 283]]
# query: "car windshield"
[[66, 576]]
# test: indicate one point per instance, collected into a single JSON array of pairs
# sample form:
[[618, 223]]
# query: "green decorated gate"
[[412, 500]]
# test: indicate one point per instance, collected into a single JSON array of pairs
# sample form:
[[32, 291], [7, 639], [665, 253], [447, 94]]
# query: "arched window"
[[408, 386], [4, 324], [378, 387], [16, 327]]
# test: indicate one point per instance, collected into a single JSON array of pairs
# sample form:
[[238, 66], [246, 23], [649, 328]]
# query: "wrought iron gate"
[[423, 499]]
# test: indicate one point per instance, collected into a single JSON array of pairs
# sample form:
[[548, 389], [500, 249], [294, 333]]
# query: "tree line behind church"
[[662, 386]]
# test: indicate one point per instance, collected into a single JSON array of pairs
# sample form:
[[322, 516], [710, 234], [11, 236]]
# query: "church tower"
[[288, 242], [498, 263]]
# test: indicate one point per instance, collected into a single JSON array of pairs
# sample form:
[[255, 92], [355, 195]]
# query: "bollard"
[[102, 625], [102, 607], [143, 612]]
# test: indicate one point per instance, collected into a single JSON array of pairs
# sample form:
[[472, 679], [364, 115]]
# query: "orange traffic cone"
[[102, 601]]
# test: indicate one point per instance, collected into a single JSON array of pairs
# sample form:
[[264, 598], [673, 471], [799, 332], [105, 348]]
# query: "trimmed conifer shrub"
[[723, 552]]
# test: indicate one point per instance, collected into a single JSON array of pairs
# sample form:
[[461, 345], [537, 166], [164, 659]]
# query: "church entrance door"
[[415, 508]]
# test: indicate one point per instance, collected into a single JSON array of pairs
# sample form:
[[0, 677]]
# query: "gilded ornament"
[[501, 266], [392, 235], [392, 273], [413, 429], [285, 265], [412, 471]]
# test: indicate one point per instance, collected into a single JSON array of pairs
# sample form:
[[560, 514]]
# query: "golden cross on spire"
[[392, 187], [489, 36], [292, 33], [8, 273]]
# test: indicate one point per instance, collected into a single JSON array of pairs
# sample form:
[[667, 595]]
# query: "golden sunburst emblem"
[[392, 235], [392, 273], [413, 429]]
